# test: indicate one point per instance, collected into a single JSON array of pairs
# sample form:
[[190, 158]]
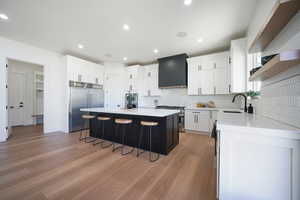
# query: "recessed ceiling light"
[[126, 27], [125, 58], [155, 51], [3, 17], [187, 2], [199, 40], [80, 46]]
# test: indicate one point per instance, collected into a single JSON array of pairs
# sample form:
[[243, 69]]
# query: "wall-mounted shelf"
[[282, 13], [276, 65]]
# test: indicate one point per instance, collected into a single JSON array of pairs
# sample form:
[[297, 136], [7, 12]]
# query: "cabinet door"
[[203, 121], [238, 65], [190, 120], [208, 62], [221, 60], [207, 82], [221, 80], [150, 86], [194, 78]]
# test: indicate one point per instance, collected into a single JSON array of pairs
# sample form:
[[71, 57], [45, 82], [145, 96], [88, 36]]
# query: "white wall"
[[30, 102], [280, 97], [55, 104]]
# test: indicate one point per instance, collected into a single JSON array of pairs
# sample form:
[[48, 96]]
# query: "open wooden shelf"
[[282, 13], [276, 65]]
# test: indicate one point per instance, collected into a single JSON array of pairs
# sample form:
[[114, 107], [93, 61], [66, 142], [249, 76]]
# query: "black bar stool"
[[86, 119], [150, 125], [124, 123], [102, 134]]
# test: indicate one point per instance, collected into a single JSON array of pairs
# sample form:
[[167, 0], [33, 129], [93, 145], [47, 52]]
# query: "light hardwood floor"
[[59, 167]]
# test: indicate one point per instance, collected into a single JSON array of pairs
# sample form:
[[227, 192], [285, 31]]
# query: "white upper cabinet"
[[150, 80], [238, 53], [133, 78], [84, 71], [194, 76], [209, 74]]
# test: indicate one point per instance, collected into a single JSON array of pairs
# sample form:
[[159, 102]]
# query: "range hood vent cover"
[[172, 71]]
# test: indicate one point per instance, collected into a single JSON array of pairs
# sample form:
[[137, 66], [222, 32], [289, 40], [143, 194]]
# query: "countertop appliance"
[[172, 71], [83, 95], [131, 100], [181, 114]]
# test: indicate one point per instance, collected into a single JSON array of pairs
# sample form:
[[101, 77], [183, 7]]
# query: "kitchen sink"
[[231, 111]]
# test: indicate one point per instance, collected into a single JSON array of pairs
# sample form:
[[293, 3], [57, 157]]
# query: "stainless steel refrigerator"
[[83, 95]]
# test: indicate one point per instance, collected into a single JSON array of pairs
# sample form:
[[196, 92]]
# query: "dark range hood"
[[172, 71]]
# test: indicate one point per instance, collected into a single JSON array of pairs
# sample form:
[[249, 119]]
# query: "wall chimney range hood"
[[172, 71]]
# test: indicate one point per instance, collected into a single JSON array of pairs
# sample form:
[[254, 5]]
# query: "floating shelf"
[[276, 65], [282, 13]]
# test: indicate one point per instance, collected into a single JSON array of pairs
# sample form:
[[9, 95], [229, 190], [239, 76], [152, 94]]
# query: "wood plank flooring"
[[58, 166]]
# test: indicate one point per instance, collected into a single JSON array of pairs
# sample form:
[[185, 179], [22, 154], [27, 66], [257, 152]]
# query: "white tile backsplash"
[[280, 97], [179, 97]]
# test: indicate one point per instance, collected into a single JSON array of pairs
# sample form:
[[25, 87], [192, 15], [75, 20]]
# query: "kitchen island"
[[165, 136]]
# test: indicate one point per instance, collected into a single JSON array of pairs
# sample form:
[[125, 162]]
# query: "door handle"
[[21, 106]]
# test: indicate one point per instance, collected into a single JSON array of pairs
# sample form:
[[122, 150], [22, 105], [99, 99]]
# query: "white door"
[[16, 96]]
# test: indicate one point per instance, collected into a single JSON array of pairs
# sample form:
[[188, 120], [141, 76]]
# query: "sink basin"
[[231, 111]]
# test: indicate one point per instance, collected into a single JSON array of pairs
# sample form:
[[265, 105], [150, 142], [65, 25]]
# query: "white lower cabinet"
[[254, 165], [198, 121]]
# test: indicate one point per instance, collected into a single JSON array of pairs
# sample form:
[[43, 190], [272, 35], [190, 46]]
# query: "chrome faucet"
[[245, 109]]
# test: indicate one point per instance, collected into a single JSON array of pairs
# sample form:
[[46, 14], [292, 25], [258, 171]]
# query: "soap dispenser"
[[250, 109]]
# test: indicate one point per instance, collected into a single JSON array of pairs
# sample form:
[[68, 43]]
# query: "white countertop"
[[136, 111], [211, 109], [256, 124]]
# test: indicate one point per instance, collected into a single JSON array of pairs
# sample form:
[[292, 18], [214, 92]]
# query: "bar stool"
[[87, 118], [102, 134], [150, 125], [124, 123]]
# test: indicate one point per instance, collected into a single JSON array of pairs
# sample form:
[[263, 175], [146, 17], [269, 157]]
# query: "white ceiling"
[[59, 25]]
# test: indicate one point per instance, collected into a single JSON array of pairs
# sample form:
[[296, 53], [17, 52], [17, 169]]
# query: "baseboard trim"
[[197, 132]]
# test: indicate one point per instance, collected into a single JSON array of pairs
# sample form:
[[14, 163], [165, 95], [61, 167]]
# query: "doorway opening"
[[25, 99]]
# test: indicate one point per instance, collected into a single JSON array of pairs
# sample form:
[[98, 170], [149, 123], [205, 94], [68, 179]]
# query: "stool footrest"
[[101, 141]]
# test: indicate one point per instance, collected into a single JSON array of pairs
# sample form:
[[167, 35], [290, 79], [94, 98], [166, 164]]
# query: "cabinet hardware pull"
[[229, 88]]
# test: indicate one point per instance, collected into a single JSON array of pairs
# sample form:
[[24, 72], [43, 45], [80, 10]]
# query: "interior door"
[[16, 97]]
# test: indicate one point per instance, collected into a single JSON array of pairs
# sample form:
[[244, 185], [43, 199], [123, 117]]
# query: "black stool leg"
[[88, 131], [102, 133], [81, 132], [114, 143], [150, 153], [123, 143], [140, 143], [103, 143]]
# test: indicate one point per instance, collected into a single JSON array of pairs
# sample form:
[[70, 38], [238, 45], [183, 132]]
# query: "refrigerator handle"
[[87, 100]]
